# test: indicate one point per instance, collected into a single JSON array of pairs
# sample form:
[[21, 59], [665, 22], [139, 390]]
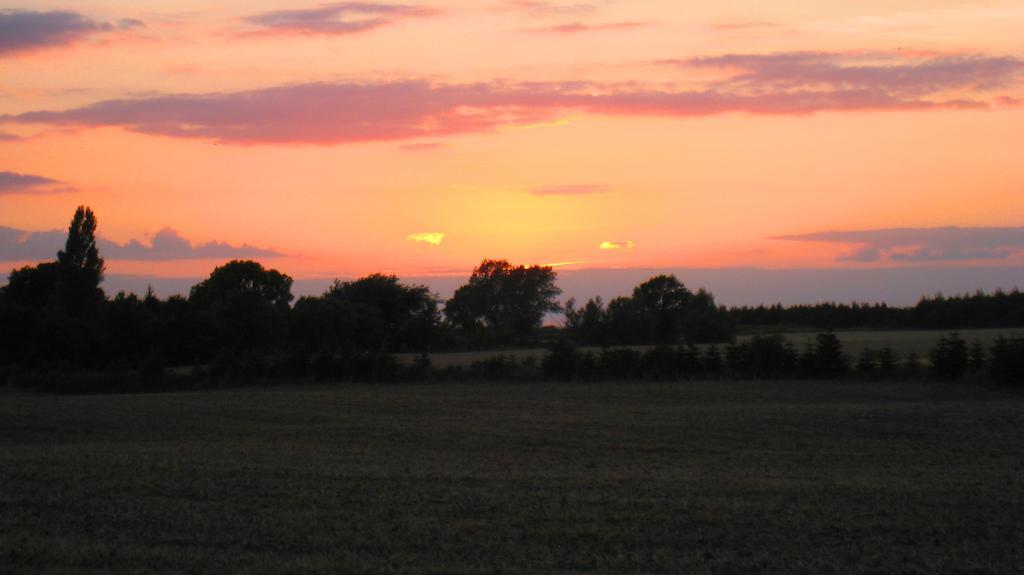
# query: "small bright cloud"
[[626, 245], [432, 238], [570, 190], [552, 124]]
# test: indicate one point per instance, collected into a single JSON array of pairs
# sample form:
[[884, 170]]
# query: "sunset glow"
[[418, 138]]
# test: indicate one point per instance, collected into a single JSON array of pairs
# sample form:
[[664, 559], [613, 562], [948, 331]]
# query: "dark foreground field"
[[519, 478]]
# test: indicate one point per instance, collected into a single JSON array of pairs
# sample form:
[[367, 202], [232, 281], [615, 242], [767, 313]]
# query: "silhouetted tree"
[[661, 310], [244, 279], [130, 325], [705, 321], [508, 300], [51, 311], [662, 303], [623, 322], [32, 286], [29, 291], [388, 314], [828, 356], [79, 266], [241, 307], [588, 324], [323, 325]]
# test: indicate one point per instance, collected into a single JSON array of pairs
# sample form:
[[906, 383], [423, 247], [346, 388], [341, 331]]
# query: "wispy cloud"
[[5, 137], [422, 146], [25, 30], [883, 73], [130, 24], [620, 246], [923, 244], [340, 112], [166, 245], [926, 22], [740, 25], [570, 190], [552, 123], [337, 19], [14, 183], [543, 8], [432, 238], [580, 27]]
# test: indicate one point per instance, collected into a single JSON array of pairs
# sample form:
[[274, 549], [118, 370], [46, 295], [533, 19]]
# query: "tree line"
[[243, 321], [978, 310], [55, 313], [775, 357]]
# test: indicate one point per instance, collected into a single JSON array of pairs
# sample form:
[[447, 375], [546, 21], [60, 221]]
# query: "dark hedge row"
[[765, 357]]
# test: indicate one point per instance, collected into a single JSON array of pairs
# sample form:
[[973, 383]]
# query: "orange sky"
[[668, 133]]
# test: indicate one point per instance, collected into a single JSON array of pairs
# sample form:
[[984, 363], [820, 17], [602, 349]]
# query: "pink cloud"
[[338, 19], [422, 146], [341, 112], [736, 25], [166, 245], [24, 31], [579, 27], [12, 183], [923, 244], [894, 73], [543, 8]]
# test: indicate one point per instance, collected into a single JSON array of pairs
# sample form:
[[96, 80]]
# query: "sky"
[[848, 143]]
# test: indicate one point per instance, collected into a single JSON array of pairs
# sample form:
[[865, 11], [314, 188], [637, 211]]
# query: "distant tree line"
[[978, 310], [775, 357], [241, 322]]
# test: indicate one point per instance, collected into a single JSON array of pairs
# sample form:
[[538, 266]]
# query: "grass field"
[[854, 341], [724, 477]]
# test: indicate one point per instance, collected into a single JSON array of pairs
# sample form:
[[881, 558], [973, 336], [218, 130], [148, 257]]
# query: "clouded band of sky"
[[784, 84], [420, 137]]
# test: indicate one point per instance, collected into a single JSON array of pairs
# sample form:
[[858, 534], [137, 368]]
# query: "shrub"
[[867, 362], [661, 363], [623, 363], [372, 366], [912, 364], [828, 356], [561, 362], [712, 361], [689, 361], [977, 357], [762, 357], [495, 368], [949, 358], [887, 361], [1007, 363], [153, 366]]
